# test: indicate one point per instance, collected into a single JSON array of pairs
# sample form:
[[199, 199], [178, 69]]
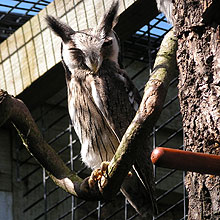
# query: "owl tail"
[[141, 198]]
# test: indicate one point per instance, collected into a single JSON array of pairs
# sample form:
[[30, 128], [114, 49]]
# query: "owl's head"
[[88, 48]]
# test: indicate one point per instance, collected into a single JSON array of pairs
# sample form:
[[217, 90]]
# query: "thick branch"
[[147, 115], [15, 111]]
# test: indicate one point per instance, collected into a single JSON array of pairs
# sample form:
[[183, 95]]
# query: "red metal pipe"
[[186, 160]]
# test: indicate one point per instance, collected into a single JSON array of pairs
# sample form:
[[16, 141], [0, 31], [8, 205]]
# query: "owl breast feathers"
[[102, 101]]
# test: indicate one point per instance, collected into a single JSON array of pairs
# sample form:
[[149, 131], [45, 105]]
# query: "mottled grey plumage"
[[102, 101]]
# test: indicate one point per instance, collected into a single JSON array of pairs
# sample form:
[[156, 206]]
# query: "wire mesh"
[[43, 200], [14, 13]]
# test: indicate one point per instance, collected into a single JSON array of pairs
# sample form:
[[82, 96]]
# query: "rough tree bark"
[[14, 110], [198, 58]]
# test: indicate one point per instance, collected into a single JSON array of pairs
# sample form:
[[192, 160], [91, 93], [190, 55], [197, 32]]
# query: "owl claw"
[[97, 174], [129, 174], [104, 166]]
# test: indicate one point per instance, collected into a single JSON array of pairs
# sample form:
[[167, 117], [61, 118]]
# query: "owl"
[[166, 6], [102, 101]]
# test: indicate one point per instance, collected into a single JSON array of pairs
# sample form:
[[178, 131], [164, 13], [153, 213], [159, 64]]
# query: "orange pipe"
[[186, 160]]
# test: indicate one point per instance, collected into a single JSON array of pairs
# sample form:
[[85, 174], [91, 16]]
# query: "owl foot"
[[97, 174], [101, 174], [129, 174]]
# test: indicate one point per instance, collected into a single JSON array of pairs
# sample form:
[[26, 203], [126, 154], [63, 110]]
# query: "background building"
[[30, 69]]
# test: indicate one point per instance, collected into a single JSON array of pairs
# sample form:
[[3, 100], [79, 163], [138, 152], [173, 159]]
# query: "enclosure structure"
[[30, 69]]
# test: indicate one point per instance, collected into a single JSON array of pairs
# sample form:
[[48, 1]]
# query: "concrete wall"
[[6, 202]]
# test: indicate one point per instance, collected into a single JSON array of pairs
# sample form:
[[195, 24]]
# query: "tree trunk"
[[198, 59]]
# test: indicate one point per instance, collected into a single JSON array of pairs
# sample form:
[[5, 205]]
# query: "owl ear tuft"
[[109, 20], [59, 28]]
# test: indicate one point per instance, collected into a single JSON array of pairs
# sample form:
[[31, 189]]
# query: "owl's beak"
[[94, 64], [94, 67]]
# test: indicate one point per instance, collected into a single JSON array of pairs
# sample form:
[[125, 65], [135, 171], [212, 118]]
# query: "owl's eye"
[[107, 42], [74, 49]]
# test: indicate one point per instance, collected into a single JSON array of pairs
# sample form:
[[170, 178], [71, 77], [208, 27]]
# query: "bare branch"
[[146, 116], [16, 111]]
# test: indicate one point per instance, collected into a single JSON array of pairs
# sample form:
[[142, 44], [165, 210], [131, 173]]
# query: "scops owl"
[[102, 102]]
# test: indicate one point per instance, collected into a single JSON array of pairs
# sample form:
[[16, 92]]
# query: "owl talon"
[[129, 174], [97, 174], [104, 166], [94, 177]]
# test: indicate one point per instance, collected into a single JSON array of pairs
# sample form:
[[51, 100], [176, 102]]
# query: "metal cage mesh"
[[43, 200], [14, 13]]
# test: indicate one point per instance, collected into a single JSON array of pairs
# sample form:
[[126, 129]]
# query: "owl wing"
[[139, 189], [142, 167], [102, 121], [132, 92]]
